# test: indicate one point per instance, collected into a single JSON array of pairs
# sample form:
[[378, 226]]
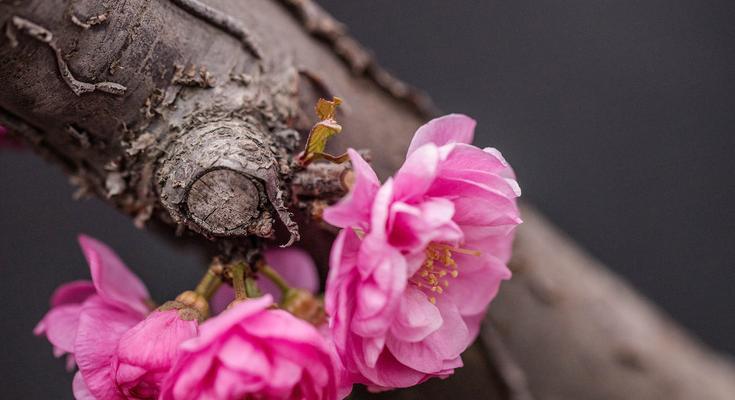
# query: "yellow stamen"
[[439, 265]]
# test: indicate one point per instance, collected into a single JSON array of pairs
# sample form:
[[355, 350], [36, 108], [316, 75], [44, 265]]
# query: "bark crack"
[[89, 22], [43, 35], [221, 21]]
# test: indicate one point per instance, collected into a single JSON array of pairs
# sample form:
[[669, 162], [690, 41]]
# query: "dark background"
[[618, 117]]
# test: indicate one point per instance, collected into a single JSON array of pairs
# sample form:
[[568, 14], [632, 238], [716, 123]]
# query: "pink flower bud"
[[146, 352]]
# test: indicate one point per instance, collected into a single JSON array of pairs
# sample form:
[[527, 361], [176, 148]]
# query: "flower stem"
[[209, 284], [274, 277], [238, 280], [251, 288]]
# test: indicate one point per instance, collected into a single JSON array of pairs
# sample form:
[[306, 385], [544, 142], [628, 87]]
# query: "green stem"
[[251, 288], [238, 280], [209, 284], [274, 277]]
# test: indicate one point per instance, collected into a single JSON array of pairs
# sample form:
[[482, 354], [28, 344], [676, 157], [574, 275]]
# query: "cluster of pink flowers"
[[412, 273], [125, 350]]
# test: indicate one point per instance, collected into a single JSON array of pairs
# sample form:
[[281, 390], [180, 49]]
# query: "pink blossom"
[[252, 351], [420, 257], [146, 352], [87, 319], [295, 266]]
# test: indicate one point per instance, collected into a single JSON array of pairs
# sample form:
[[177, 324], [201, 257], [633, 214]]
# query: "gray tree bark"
[[190, 115]]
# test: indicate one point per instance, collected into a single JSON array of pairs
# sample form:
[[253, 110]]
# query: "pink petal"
[[507, 186], [343, 256], [476, 204], [100, 329], [286, 374], [72, 292], [464, 156], [379, 297], [354, 209], [412, 227], [278, 324], [185, 379], [372, 347], [112, 279], [295, 265], [237, 348], [496, 240], [79, 387], [380, 208], [446, 343], [474, 322], [340, 282], [417, 173], [415, 355], [60, 325], [508, 172], [390, 373], [452, 128], [153, 343], [417, 318], [215, 327], [477, 283], [453, 337]]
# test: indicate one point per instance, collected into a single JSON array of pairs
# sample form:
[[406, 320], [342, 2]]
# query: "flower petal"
[[417, 318], [113, 280], [60, 325], [354, 209], [507, 186], [477, 283], [412, 227], [464, 156], [378, 297], [417, 173], [390, 373], [72, 292], [216, 326], [295, 266], [477, 204], [446, 343], [452, 128], [154, 342], [100, 328], [79, 387]]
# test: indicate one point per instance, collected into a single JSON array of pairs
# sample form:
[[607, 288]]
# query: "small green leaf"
[[324, 129]]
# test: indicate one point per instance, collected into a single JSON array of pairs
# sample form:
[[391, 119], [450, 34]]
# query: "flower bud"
[[146, 352]]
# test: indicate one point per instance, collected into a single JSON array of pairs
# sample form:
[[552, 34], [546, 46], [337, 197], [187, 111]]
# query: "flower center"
[[438, 268]]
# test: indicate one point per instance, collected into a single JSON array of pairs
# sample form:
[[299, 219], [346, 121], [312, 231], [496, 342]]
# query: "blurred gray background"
[[618, 117]]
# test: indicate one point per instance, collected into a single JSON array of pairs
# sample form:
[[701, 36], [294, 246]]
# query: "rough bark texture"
[[191, 114]]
